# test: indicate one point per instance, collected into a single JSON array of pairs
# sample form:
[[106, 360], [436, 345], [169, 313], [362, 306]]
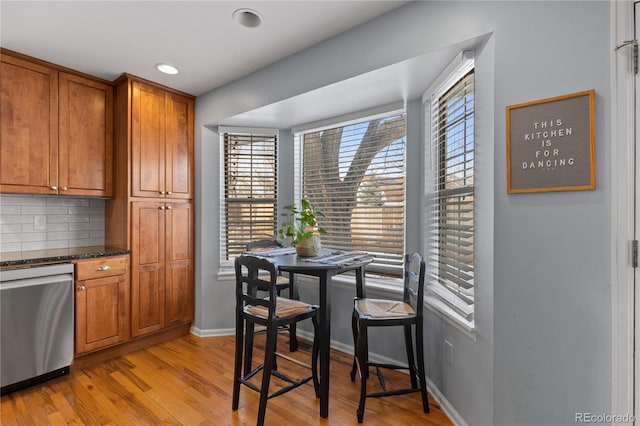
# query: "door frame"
[[622, 213], [636, 273]]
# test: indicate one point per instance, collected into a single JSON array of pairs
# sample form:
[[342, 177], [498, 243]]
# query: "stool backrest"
[[251, 276], [262, 244], [414, 271]]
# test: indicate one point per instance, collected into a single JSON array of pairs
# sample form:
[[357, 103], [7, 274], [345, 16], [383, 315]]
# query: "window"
[[355, 174], [250, 190], [450, 194]]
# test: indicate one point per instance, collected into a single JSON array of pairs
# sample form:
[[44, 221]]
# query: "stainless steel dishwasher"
[[36, 313]]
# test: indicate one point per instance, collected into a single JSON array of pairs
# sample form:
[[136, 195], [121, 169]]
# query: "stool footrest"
[[392, 392]]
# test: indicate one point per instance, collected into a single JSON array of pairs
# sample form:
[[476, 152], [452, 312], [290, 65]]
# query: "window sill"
[[449, 315], [375, 283], [226, 273]]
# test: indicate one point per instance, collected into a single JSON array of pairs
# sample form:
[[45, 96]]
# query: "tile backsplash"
[[37, 222]]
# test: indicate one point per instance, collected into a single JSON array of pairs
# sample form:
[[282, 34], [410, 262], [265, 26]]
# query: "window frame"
[[378, 278], [453, 73], [227, 264]]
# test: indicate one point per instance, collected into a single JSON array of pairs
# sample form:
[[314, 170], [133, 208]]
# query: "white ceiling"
[[107, 38]]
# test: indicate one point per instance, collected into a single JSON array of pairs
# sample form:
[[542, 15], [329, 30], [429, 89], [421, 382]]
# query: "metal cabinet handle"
[[169, 207], [64, 188], [82, 288], [169, 192], [162, 192], [162, 207], [103, 268], [55, 188]]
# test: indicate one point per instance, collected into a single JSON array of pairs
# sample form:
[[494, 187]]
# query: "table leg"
[[360, 288], [325, 341], [293, 288]]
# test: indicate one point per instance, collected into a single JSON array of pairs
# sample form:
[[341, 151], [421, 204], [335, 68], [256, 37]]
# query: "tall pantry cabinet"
[[152, 211]]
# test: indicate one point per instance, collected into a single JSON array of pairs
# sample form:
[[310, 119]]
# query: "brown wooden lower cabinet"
[[102, 303], [162, 265]]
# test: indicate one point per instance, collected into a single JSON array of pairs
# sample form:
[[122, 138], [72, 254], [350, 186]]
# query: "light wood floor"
[[188, 381]]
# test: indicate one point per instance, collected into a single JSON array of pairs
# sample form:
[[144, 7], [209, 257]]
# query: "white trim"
[[445, 405], [227, 271], [247, 130], [457, 68], [622, 368], [213, 332], [441, 309], [454, 301], [635, 120], [222, 242], [451, 75], [346, 119]]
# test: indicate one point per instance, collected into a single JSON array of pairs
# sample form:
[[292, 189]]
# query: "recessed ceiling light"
[[247, 18], [167, 69]]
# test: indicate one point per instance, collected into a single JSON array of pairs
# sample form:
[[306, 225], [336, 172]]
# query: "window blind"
[[250, 190], [451, 217], [355, 175]]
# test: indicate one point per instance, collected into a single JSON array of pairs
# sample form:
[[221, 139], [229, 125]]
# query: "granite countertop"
[[25, 258]]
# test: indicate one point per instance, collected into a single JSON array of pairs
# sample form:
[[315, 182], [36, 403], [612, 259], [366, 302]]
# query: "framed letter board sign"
[[551, 144]]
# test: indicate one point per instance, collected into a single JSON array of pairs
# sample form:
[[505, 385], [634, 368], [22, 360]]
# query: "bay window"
[[354, 173]]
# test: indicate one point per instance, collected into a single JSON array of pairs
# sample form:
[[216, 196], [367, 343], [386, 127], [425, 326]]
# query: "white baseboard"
[[213, 332], [445, 405]]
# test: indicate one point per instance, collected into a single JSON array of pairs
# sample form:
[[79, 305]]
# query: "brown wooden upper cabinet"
[[162, 143], [56, 132]]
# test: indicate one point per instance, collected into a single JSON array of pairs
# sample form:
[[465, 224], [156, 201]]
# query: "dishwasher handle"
[[30, 282]]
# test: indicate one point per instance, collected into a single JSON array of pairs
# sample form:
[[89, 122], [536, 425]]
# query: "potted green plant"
[[301, 229]]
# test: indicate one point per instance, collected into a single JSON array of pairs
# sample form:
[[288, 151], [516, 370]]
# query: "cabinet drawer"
[[99, 268]]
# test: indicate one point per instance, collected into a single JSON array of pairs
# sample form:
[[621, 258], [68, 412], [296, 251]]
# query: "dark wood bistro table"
[[327, 264]]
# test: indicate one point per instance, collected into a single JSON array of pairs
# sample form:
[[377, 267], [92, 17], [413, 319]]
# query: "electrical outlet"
[[448, 352], [40, 223]]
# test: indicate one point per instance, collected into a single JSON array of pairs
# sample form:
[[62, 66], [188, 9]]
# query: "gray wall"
[[552, 311], [541, 351]]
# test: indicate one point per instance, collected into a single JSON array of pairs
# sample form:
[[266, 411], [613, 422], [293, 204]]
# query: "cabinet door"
[[101, 312], [179, 147], [28, 127], [179, 259], [85, 137], [147, 267], [148, 141]]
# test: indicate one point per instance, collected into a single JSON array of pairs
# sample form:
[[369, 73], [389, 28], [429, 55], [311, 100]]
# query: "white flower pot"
[[309, 246]]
